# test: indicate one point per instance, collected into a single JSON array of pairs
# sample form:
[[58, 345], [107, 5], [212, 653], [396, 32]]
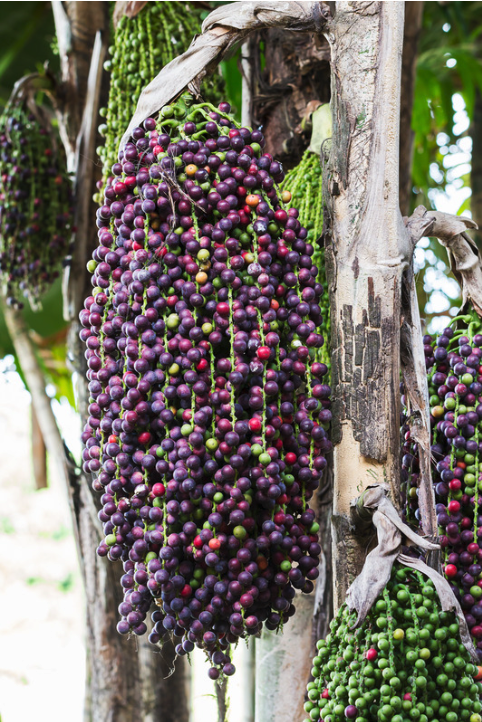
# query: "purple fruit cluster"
[[35, 206], [455, 387], [208, 417]]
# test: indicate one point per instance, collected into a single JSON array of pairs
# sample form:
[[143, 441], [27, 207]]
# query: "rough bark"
[[411, 35], [368, 252]]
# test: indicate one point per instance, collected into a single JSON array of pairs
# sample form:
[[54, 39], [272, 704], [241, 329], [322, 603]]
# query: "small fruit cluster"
[[304, 182], [208, 416], [35, 205], [455, 387], [405, 662]]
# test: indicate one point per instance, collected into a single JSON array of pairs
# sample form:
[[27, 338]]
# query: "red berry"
[[120, 188], [255, 424], [407, 697], [186, 591], [158, 489], [198, 543], [290, 458], [450, 570], [325, 694], [372, 654], [223, 308], [453, 507], [264, 353], [144, 438]]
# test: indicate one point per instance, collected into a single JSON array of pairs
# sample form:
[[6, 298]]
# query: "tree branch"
[[43, 410], [82, 32]]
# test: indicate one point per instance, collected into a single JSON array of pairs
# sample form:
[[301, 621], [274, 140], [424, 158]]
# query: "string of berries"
[[207, 429], [455, 387], [405, 662], [143, 45], [410, 476], [304, 182], [35, 204], [410, 468]]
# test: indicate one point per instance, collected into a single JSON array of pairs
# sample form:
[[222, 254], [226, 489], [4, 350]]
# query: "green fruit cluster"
[[304, 182], [405, 662]]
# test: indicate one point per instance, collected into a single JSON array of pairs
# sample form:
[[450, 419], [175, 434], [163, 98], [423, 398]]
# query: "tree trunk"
[[476, 173], [411, 35], [283, 663], [367, 254]]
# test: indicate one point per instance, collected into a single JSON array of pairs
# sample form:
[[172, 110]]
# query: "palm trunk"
[[412, 29], [367, 255]]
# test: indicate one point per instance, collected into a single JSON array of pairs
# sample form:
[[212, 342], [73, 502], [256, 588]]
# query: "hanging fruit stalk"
[[208, 416], [455, 387]]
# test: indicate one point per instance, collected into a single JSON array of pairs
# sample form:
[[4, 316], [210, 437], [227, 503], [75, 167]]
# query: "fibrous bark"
[[296, 79], [368, 252]]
